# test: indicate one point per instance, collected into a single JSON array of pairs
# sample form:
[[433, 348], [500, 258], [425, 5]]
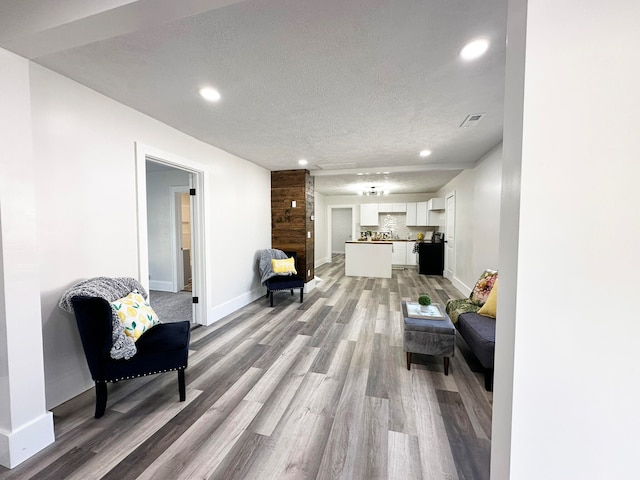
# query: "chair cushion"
[[164, 338], [479, 332], [135, 314], [483, 287], [284, 282]]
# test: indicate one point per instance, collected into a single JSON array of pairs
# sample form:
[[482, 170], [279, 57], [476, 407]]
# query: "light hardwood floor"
[[317, 390]]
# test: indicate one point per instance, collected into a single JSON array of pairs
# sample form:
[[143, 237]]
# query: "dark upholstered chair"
[[163, 348], [479, 332], [285, 282]]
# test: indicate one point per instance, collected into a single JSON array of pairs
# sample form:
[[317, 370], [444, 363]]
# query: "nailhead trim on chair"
[[137, 376]]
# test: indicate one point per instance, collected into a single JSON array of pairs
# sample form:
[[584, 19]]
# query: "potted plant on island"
[[424, 300]]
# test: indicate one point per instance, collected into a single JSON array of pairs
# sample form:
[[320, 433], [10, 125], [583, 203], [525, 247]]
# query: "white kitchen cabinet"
[[411, 257], [399, 254], [392, 207], [369, 214], [421, 214], [434, 218], [435, 204], [411, 214]]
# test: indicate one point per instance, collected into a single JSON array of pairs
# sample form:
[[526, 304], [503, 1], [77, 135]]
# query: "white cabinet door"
[[421, 214], [399, 207], [369, 214], [399, 255], [434, 218], [411, 257], [385, 207], [411, 214], [436, 204]]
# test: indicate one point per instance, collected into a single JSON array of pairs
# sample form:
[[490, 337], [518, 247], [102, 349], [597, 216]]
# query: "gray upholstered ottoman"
[[429, 336]]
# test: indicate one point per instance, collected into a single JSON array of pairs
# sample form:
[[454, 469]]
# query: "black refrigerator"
[[431, 258]]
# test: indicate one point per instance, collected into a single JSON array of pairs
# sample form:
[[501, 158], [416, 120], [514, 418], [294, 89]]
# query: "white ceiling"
[[353, 86]]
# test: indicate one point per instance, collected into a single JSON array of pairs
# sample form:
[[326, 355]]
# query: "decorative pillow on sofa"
[[483, 287], [286, 266], [135, 314], [489, 307]]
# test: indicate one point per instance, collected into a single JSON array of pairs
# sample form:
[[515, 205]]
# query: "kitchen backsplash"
[[396, 225]]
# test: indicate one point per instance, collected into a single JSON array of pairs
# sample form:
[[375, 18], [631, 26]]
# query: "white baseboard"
[[21, 444], [224, 309], [310, 285], [161, 286], [321, 261], [464, 289]]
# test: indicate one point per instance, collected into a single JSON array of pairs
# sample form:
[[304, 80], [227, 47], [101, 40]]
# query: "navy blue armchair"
[[284, 282], [163, 348]]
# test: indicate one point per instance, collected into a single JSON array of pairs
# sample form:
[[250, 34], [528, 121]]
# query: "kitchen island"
[[368, 259]]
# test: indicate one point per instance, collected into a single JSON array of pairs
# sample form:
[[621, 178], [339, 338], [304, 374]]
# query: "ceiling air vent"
[[472, 120]]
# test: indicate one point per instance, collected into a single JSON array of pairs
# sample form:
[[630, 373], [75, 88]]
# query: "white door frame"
[[329, 225], [449, 237], [144, 153]]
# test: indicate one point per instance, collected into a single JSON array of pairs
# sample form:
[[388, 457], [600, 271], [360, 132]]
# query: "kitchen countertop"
[[389, 241], [367, 242]]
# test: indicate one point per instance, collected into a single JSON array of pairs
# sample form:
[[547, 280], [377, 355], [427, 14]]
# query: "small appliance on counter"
[[438, 237]]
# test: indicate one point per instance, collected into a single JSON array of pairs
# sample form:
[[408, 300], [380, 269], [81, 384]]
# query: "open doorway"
[[341, 228], [171, 234], [185, 258], [169, 241]]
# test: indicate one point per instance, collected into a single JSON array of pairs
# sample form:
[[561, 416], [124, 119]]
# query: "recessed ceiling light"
[[361, 173], [302, 162], [474, 49], [210, 94], [386, 173], [425, 153]]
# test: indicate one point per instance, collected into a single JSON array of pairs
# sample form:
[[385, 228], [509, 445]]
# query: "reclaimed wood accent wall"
[[292, 227]]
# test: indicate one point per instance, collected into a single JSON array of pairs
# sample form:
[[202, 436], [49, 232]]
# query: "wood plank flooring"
[[317, 390]]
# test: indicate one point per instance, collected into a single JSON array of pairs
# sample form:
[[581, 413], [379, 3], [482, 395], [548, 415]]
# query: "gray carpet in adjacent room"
[[172, 307]]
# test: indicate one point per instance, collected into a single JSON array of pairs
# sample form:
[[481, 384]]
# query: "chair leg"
[[267, 295], [101, 398], [408, 360], [271, 297], [446, 365], [292, 291], [301, 293], [181, 385]]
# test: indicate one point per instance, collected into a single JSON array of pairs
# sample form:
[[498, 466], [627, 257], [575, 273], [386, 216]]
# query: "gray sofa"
[[479, 332]]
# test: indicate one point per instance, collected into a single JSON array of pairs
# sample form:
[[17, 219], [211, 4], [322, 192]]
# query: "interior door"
[[449, 246]]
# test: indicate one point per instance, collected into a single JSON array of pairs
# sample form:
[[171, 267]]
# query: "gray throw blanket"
[[266, 272], [110, 289]]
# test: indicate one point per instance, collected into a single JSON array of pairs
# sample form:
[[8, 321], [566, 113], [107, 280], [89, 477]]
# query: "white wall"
[[477, 225], [25, 426], [161, 227], [575, 389], [84, 149], [320, 239]]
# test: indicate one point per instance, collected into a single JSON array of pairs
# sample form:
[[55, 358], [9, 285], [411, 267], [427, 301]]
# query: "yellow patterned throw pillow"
[[135, 314], [490, 306], [284, 267]]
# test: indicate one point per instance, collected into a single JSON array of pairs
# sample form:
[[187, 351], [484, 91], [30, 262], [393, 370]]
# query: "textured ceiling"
[[350, 85]]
